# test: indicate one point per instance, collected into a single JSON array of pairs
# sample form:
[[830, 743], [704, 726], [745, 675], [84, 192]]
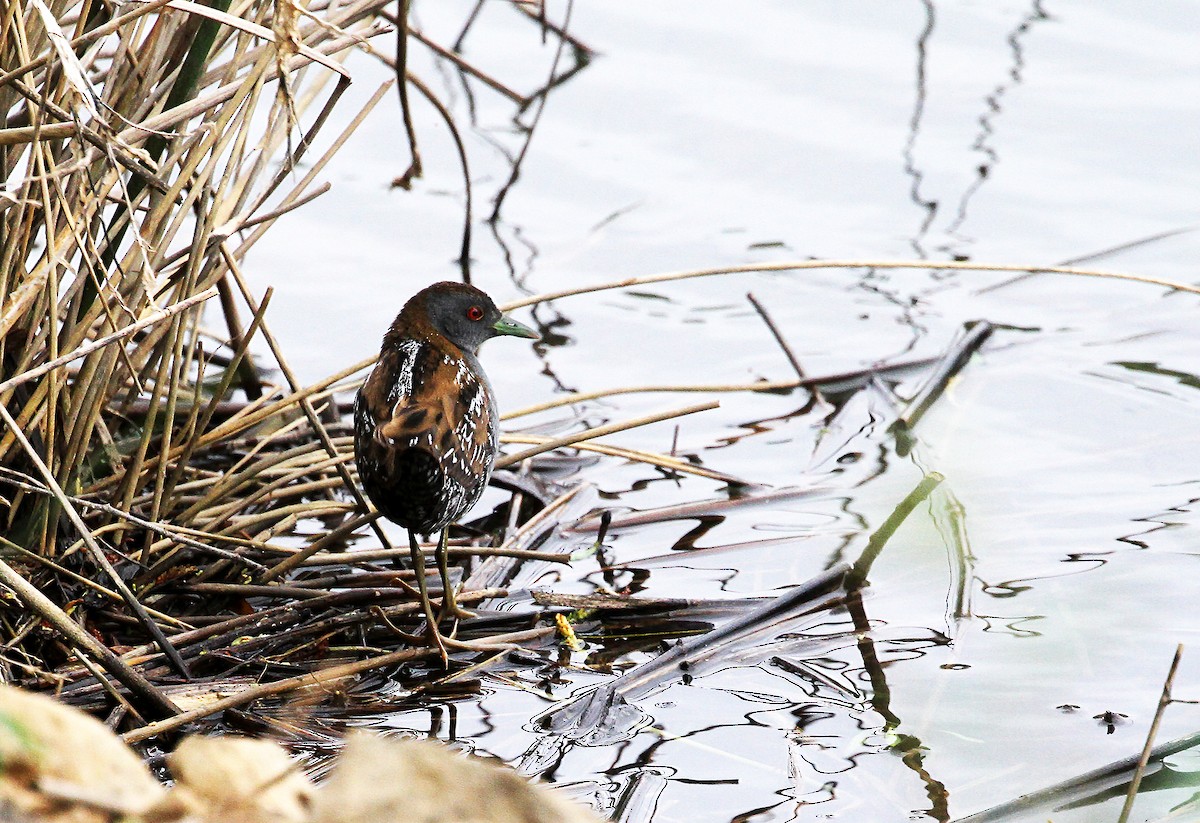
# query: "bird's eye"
[[475, 313]]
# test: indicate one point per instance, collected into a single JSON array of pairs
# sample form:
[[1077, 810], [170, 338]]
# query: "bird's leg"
[[418, 559], [450, 607]]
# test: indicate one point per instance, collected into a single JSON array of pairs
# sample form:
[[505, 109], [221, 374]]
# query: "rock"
[[390, 780], [59, 765], [50, 753], [236, 780]]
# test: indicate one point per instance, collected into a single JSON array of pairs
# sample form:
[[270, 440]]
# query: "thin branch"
[[600, 431], [718, 388], [462, 64], [1164, 700], [805, 265], [404, 181], [777, 334]]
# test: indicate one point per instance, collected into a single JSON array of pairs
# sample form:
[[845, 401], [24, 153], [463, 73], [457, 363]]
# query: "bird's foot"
[[452, 611], [450, 608], [436, 643]]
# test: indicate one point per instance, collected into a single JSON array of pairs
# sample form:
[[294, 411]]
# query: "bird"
[[425, 423]]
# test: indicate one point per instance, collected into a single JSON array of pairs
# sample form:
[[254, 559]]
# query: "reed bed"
[[180, 524], [184, 534], [153, 481]]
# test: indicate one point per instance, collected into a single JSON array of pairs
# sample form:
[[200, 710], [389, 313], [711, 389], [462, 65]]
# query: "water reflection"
[[1183, 378], [983, 143], [867, 728], [927, 206], [992, 110], [460, 75]]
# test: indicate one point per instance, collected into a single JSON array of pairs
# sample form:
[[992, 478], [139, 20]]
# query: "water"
[[706, 134]]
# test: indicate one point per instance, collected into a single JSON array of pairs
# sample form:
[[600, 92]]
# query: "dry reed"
[[154, 482]]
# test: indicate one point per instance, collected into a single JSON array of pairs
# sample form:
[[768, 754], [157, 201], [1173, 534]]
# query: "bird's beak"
[[506, 325]]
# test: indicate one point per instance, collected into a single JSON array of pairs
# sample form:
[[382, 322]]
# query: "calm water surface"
[[1050, 576]]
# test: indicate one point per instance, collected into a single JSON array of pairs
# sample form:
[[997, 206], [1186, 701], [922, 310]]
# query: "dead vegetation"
[[183, 531], [154, 479], [180, 522]]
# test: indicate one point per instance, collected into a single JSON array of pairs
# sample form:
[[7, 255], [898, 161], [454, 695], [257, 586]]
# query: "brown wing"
[[426, 438]]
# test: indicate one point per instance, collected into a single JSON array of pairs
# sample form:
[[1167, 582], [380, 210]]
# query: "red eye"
[[474, 313]]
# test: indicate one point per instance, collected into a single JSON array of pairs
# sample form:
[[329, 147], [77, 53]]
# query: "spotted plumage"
[[425, 433], [425, 419]]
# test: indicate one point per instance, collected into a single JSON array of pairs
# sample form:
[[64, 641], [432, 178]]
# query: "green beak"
[[506, 325]]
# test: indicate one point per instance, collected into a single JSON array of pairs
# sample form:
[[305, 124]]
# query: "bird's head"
[[465, 315]]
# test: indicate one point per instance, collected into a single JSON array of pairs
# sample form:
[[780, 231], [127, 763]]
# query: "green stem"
[[857, 576]]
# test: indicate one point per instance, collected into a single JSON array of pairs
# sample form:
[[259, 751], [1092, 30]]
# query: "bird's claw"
[[452, 611], [436, 643]]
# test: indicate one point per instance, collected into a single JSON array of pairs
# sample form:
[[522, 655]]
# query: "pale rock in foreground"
[[235, 779], [59, 763], [390, 780]]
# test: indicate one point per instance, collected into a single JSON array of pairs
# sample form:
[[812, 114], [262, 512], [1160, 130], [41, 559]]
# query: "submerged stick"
[[711, 643], [857, 576], [777, 334], [1096, 255], [1085, 785], [278, 687], [951, 363]]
